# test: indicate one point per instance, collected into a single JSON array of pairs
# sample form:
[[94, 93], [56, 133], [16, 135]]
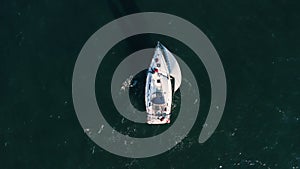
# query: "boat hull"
[[158, 90]]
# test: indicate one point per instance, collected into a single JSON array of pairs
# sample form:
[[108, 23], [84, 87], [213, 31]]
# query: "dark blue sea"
[[257, 42]]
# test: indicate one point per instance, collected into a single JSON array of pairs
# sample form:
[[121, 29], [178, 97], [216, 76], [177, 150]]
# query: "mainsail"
[[173, 66]]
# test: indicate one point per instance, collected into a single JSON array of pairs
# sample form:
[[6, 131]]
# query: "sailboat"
[[159, 89]]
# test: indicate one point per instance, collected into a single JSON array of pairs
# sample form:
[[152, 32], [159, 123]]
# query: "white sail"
[[173, 67]]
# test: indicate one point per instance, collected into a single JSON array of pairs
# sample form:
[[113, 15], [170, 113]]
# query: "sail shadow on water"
[[137, 90]]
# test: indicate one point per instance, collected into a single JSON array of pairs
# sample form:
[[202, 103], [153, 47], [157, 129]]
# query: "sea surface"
[[258, 44]]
